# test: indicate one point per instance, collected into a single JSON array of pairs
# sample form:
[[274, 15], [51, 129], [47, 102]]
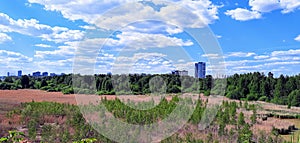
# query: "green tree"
[[294, 98], [241, 120], [44, 83], [245, 134], [25, 81], [253, 117]]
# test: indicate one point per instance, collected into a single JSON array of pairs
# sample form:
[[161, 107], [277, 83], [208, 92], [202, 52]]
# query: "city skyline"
[[36, 73], [254, 35]]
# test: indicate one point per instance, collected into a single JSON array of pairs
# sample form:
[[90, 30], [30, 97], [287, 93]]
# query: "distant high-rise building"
[[8, 74], [200, 70], [52, 74], [180, 73], [45, 74], [36, 74], [19, 73]]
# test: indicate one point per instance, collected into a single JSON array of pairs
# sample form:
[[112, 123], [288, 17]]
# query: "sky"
[[125, 36]]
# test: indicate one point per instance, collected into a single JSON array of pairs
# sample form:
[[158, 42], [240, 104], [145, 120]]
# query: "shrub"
[[252, 97], [263, 98]]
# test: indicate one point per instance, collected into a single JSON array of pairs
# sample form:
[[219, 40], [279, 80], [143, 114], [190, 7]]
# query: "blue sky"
[[149, 36]]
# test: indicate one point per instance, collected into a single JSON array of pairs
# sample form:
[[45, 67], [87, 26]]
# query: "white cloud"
[[43, 45], [63, 36], [243, 14], [137, 40], [255, 67], [241, 54], [286, 6], [218, 36], [174, 30], [61, 53], [258, 7], [213, 56], [297, 38], [264, 5], [9, 56], [286, 53], [288, 60], [185, 13], [285, 63], [88, 27], [12, 61], [141, 63], [4, 38], [289, 5], [210, 55], [261, 57], [32, 27]]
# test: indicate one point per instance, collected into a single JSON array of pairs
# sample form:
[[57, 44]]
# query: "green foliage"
[[32, 129], [106, 84], [88, 140], [263, 98], [294, 98], [246, 105], [13, 137], [245, 134], [25, 81], [253, 117], [257, 86], [250, 86], [241, 120]]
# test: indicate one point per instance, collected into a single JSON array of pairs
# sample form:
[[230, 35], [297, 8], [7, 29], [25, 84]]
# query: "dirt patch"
[[27, 95]]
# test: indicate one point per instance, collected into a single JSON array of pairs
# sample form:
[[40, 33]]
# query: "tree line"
[[255, 86], [284, 90]]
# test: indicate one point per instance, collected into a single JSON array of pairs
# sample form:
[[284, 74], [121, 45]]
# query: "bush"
[[251, 97], [207, 93], [233, 94], [68, 90], [46, 88], [263, 98]]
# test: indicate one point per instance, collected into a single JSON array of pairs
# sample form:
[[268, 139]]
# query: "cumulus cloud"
[[12, 61], [143, 41], [32, 27], [286, 6], [242, 14], [116, 13], [10, 56], [142, 63], [289, 5], [264, 5], [4, 37], [63, 52], [258, 7]]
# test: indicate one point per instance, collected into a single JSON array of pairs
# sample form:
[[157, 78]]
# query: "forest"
[[284, 90]]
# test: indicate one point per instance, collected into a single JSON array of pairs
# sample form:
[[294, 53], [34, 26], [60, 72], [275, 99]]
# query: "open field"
[[11, 100], [27, 95]]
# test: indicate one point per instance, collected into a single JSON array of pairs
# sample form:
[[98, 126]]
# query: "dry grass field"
[[11, 99]]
